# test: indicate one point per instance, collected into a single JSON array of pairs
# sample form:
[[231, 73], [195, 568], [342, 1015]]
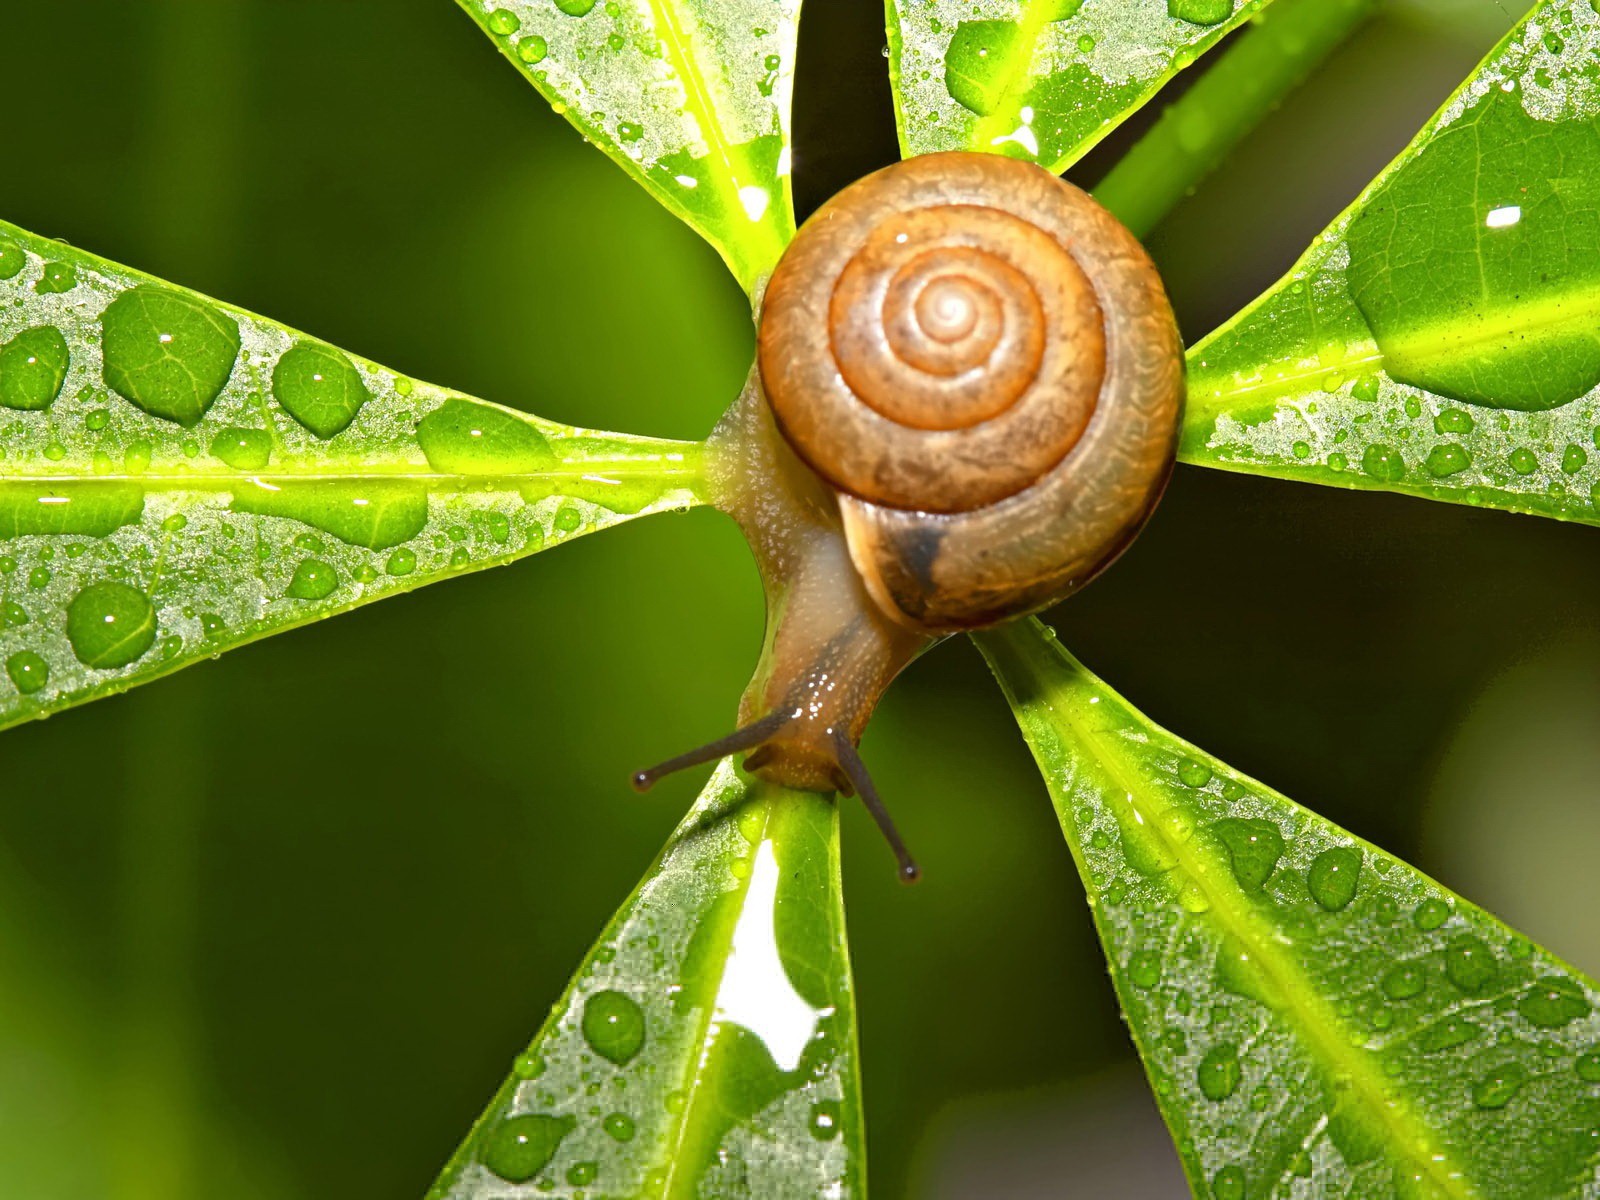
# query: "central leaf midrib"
[[463, 481], [1279, 969]]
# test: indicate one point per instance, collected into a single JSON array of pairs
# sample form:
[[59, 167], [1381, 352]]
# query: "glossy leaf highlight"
[[690, 97], [1042, 80], [707, 1046], [185, 477], [1442, 337], [1317, 1017]]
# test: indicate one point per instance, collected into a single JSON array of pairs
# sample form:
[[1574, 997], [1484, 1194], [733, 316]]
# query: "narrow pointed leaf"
[[1042, 80], [1442, 337], [690, 97], [706, 1048], [1317, 1017], [178, 477]]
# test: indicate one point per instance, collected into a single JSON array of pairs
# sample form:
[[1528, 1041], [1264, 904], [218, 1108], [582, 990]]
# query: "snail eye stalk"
[[850, 777], [748, 738]]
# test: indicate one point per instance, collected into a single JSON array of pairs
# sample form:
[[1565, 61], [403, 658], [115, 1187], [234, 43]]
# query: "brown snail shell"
[[982, 362]]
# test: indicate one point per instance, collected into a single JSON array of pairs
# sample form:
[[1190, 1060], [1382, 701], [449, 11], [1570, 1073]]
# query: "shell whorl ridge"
[[983, 363]]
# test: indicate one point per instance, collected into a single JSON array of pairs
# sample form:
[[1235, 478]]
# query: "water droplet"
[[211, 625], [531, 50], [39, 578], [474, 439], [1333, 875], [1588, 1066], [1085, 44], [313, 580], [92, 508], [1228, 1184], [1201, 12], [568, 519], [825, 1120], [402, 562], [243, 449], [1447, 459], [1365, 389], [1194, 774], [57, 277], [620, 1126], [1430, 914], [583, 1174], [28, 671], [1447, 1034], [1524, 461], [504, 22], [319, 387], [15, 615], [375, 514], [169, 353], [97, 420], [575, 8], [629, 131], [1453, 420], [518, 1148], [976, 63], [12, 259], [1219, 1072], [33, 366], [1553, 1002], [1254, 846], [1383, 463], [613, 1025], [1470, 964], [1499, 1086], [1144, 968], [1405, 981], [110, 625]]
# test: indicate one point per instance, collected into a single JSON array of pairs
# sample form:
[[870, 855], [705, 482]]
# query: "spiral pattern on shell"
[[983, 363]]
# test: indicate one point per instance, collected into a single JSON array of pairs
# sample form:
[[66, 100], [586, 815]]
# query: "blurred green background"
[[275, 927]]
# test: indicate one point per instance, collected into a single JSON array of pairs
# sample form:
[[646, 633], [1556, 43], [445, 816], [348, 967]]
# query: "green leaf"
[[1442, 337], [179, 477], [1317, 1017], [1042, 80], [707, 1046], [690, 97]]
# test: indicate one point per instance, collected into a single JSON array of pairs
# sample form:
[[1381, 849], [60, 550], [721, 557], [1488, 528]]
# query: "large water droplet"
[[93, 508], [313, 580], [1447, 1034], [825, 1120], [1497, 1088], [1405, 981], [1200, 12], [33, 366], [110, 625], [518, 1148], [1553, 1002], [1254, 846], [1219, 1072], [243, 449], [28, 671], [1228, 1184], [56, 277], [979, 61], [1470, 964], [377, 514], [613, 1025], [476, 439], [619, 1126], [1383, 463], [1333, 875], [319, 387], [169, 353], [12, 259]]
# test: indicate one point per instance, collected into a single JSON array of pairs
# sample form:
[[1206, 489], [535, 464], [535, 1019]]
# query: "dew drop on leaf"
[[1588, 1066], [504, 22], [243, 449], [402, 562], [613, 1025], [1333, 875], [1144, 968], [1447, 1034], [1430, 914], [12, 259], [1383, 462], [57, 277], [28, 671], [582, 1174], [619, 1126], [531, 50], [169, 353], [1553, 1002], [1194, 774], [1218, 1073], [313, 580], [319, 387], [1254, 846], [575, 8], [1470, 964], [1447, 459], [825, 1120], [1404, 981], [1524, 461], [518, 1148], [1497, 1088], [1228, 1184], [568, 519], [110, 625], [33, 366], [1200, 12]]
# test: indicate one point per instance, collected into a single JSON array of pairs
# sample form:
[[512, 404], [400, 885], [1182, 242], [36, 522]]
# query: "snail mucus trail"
[[965, 405]]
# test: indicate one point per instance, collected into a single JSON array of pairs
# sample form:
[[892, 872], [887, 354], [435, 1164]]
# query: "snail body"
[[966, 403]]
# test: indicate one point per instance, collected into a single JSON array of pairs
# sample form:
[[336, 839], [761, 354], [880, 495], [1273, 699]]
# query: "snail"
[[965, 405]]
